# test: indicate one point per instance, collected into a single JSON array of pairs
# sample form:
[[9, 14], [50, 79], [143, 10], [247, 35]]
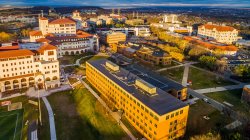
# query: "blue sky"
[[130, 3]]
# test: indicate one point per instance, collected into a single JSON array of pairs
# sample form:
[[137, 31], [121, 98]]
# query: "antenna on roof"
[[42, 12]]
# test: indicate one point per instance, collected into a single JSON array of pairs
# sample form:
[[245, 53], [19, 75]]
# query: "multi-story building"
[[171, 18], [212, 46], [135, 22], [137, 31], [80, 43], [153, 57], [220, 33], [61, 26], [154, 113], [77, 17], [25, 68], [114, 37], [18, 18]]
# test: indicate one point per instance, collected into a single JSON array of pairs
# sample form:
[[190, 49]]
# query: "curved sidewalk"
[[51, 119]]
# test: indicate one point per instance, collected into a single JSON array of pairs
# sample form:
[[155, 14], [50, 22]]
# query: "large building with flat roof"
[[153, 112]]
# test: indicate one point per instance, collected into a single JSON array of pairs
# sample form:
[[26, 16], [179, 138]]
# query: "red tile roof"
[[42, 40], [211, 46], [5, 48], [46, 47], [63, 21], [15, 53], [82, 34], [35, 33], [43, 18], [217, 27]]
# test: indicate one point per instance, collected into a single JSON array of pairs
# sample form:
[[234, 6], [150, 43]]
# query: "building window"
[[51, 53], [181, 111], [167, 117]]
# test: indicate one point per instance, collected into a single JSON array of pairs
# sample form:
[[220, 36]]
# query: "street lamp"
[[39, 105]]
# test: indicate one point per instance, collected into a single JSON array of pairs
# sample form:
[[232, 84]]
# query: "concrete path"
[[115, 115], [217, 89], [185, 76], [43, 93], [51, 119], [186, 64]]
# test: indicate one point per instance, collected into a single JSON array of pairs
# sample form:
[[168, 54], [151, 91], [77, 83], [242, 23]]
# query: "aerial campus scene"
[[124, 70]]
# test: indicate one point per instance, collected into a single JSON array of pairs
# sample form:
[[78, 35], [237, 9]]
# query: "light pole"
[[39, 105]]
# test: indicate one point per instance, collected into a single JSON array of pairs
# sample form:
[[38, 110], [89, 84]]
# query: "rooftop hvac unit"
[[145, 86], [112, 66]]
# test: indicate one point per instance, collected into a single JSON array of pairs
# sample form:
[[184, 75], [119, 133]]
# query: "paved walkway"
[[185, 76], [115, 115], [217, 89], [51, 119], [43, 93], [186, 64]]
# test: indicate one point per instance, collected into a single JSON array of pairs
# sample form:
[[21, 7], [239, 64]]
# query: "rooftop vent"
[[112, 66], [145, 86]]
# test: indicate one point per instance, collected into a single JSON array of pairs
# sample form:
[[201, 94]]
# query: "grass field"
[[30, 113], [197, 125], [75, 69], [175, 74], [201, 79], [71, 59], [11, 124], [82, 117], [233, 97]]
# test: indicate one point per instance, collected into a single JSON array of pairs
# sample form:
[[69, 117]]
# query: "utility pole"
[[137, 15], [39, 104], [113, 10], [119, 11]]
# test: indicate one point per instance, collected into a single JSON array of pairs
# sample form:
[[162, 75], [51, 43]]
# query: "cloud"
[[129, 3]]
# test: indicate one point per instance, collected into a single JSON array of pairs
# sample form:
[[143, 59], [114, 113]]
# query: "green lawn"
[[71, 59], [201, 79], [75, 69], [30, 113], [197, 125], [81, 116], [233, 97], [11, 125], [175, 74], [44, 130]]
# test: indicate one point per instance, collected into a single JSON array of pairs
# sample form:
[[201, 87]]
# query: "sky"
[[128, 3]]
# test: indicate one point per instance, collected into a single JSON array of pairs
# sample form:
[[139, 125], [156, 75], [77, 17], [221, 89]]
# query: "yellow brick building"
[[115, 37], [156, 114], [154, 57]]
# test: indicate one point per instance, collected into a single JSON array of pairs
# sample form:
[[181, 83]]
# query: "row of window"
[[15, 74], [174, 114], [15, 63], [129, 98]]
